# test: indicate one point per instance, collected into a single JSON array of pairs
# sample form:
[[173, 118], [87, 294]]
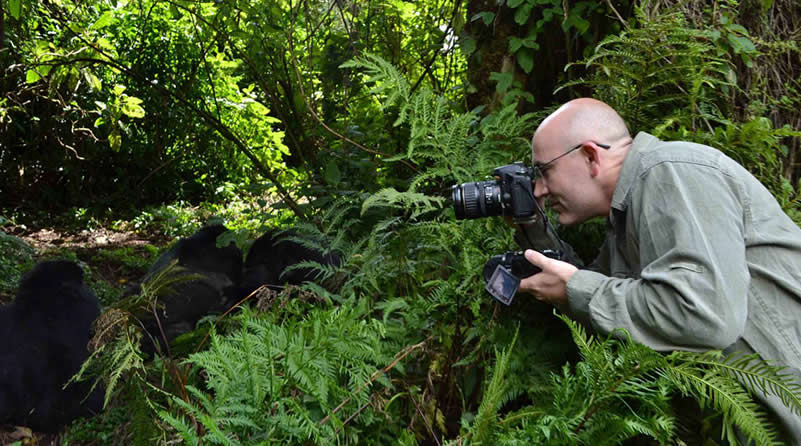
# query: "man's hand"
[[549, 285]]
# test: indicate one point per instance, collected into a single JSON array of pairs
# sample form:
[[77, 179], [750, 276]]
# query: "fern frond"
[[387, 81], [755, 373], [495, 390], [416, 202]]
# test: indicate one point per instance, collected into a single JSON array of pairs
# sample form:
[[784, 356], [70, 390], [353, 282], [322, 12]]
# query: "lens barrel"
[[476, 199]]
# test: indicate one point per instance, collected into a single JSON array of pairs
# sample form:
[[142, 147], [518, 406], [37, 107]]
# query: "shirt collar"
[[629, 171]]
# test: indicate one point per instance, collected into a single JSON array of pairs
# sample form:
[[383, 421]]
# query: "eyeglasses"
[[541, 168]]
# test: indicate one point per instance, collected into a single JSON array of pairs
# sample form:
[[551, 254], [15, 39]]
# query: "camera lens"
[[477, 199]]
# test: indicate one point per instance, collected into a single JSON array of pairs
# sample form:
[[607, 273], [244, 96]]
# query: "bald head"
[[580, 120], [581, 185]]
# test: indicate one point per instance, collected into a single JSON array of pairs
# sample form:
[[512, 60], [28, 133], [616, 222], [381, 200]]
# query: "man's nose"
[[540, 188]]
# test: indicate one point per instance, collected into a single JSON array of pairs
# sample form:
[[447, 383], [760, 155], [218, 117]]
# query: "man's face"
[[562, 178]]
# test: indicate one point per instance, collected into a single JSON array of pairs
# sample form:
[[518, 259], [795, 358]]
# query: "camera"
[[503, 273], [510, 194]]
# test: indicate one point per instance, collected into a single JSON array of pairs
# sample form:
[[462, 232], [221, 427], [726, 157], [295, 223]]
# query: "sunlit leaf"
[[131, 107], [106, 19], [92, 80], [32, 76], [115, 139]]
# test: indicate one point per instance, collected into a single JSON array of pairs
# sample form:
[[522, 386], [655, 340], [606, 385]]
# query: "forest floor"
[[89, 246]]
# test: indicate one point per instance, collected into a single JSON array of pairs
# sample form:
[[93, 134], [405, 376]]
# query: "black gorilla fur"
[[219, 271], [224, 280], [43, 342], [271, 255]]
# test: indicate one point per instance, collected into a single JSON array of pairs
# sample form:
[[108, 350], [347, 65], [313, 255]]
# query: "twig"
[[398, 357], [422, 415], [353, 416], [436, 51], [612, 7]]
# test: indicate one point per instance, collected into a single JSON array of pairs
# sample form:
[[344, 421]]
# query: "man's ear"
[[592, 153]]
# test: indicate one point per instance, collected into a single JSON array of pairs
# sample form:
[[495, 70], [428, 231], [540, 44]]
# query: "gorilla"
[[216, 272], [43, 342], [271, 255]]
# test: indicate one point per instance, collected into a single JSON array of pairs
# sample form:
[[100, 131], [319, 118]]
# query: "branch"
[[306, 100], [213, 122], [436, 51]]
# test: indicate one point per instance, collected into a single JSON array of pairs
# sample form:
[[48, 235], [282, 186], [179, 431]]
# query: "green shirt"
[[698, 256]]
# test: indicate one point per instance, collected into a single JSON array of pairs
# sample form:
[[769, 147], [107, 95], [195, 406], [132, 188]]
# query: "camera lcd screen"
[[503, 285]]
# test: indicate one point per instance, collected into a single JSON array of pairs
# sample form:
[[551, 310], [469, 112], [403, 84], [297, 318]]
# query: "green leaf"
[[115, 139], [15, 8], [741, 44], [531, 42], [514, 44], [257, 108], [332, 174], [737, 29], [504, 81], [92, 80], [32, 76], [514, 3], [467, 45], [131, 107], [522, 14], [106, 19], [176, 13], [576, 21], [486, 16], [525, 59]]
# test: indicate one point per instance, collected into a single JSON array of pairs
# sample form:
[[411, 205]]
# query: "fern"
[[494, 395], [453, 146], [659, 71], [622, 390], [279, 380], [116, 352], [387, 80], [418, 203]]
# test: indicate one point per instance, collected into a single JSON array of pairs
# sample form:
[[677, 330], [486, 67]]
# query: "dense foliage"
[[350, 121]]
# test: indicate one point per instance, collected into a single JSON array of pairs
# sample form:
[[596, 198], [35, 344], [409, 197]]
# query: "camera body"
[[510, 194], [503, 273]]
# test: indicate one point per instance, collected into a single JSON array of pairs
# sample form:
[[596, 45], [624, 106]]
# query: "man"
[[698, 254]]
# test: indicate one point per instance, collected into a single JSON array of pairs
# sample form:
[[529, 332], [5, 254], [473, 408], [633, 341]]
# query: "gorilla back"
[[43, 342], [217, 272]]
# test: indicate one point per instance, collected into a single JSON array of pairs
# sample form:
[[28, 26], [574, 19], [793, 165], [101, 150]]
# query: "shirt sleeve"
[[686, 221]]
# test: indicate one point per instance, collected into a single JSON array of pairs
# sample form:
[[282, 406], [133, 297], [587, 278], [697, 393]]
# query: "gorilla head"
[[272, 254]]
